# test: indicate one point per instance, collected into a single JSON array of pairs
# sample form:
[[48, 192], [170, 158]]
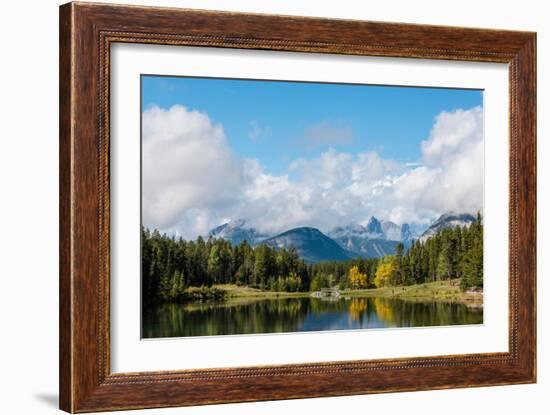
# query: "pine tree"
[[399, 276], [444, 258]]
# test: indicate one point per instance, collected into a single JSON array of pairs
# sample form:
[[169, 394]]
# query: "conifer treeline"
[[170, 266], [451, 253]]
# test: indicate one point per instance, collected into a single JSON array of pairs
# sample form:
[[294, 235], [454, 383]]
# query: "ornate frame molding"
[[86, 33]]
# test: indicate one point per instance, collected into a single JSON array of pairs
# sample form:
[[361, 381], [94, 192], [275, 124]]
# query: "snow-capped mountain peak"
[[229, 226], [448, 220], [374, 228], [376, 239], [236, 232], [348, 230]]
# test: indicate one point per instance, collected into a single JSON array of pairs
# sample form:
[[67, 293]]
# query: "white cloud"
[[193, 182], [260, 184], [187, 164], [451, 177], [453, 133]]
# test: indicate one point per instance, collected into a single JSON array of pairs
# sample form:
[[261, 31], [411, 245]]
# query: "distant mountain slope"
[[407, 234], [236, 232], [367, 247], [374, 240], [312, 245], [448, 220]]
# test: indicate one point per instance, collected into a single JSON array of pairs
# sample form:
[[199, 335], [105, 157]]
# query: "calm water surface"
[[251, 316]]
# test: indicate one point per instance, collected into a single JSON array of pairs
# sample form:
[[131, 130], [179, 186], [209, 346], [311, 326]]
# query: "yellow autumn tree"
[[356, 278], [385, 272]]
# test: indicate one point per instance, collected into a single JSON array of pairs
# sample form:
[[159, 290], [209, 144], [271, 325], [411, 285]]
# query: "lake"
[[284, 315]]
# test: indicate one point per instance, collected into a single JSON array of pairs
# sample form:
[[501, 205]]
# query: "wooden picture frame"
[[86, 33]]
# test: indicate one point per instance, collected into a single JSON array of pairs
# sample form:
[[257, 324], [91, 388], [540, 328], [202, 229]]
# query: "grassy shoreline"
[[445, 291], [448, 291], [237, 291]]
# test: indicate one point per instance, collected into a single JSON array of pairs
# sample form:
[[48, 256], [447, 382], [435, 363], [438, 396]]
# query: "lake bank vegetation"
[[446, 290], [176, 270]]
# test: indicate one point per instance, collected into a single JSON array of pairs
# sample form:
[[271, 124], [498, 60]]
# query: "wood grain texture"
[[86, 33], [65, 247]]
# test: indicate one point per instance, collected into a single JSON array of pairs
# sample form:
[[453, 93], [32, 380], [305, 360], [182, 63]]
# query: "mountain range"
[[312, 245], [373, 240]]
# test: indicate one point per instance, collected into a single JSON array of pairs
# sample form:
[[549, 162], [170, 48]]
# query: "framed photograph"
[[258, 207]]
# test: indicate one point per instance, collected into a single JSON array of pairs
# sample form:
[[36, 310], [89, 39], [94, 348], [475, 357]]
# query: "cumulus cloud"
[[187, 164], [192, 181], [454, 133], [451, 177]]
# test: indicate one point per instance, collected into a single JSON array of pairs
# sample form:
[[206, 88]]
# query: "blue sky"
[[277, 122], [288, 154]]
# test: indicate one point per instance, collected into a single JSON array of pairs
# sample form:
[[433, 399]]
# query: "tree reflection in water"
[[249, 316]]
